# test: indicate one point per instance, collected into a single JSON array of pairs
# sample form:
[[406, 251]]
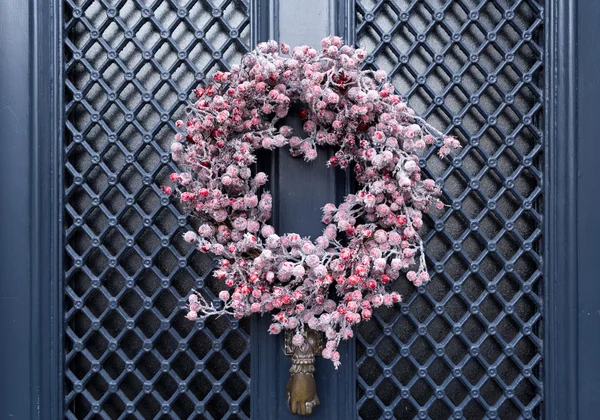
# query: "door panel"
[[130, 66], [469, 343], [300, 189]]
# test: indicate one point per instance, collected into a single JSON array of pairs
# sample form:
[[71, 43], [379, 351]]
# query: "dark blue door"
[[94, 272]]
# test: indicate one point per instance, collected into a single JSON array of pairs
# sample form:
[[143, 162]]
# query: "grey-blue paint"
[[30, 121], [30, 293], [587, 198], [16, 278], [300, 189]]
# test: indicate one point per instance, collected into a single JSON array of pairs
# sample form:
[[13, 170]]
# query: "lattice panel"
[[129, 352], [469, 344]]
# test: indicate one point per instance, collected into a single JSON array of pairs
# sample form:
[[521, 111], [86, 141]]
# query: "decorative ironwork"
[[465, 346], [128, 351], [468, 345]]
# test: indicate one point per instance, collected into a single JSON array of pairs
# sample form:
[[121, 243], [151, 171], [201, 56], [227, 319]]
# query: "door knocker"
[[301, 389]]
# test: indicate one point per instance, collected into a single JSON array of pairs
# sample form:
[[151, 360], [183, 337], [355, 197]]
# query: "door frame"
[[31, 243], [31, 120]]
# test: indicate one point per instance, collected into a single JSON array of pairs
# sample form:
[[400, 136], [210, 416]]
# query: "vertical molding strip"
[[561, 242], [347, 20], [46, 207], [31, 115], [347, 409]]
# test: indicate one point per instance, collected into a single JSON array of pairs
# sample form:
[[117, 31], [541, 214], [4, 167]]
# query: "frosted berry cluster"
[[335, 281]]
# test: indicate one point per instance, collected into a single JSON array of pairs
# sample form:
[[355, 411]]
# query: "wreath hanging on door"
[[334, 282]]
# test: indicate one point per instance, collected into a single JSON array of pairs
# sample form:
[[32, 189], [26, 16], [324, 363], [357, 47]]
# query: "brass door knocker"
[[301, 389]]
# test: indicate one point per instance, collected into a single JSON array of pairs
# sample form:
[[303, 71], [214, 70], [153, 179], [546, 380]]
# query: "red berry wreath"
[[335, 281]]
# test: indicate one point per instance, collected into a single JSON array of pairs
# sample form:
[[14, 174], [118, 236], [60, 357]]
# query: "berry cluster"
[[335, 281]]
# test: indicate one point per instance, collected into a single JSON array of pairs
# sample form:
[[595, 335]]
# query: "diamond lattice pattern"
[[130, 65], [468, 345]]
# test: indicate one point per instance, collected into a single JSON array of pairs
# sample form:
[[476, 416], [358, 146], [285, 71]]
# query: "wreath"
[[334, 282]]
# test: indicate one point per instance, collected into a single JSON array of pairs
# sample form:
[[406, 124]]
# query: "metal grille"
[[468, 345], [129, 353]]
